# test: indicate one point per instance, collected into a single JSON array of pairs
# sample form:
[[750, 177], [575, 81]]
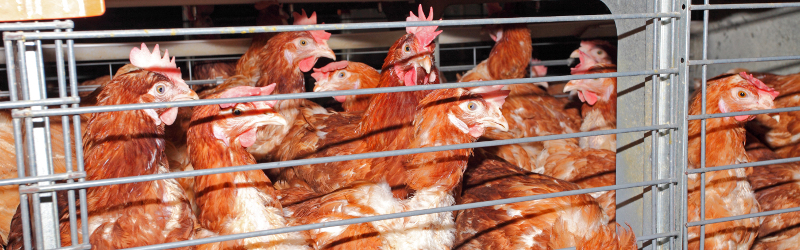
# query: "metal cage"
[[654, 81]]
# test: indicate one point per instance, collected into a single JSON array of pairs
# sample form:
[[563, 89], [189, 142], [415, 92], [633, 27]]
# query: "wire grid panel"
[[665, 59], [652, 71], [28, 113]]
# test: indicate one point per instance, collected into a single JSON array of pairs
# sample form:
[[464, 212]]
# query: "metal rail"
[[292, 163], [309, 95], [342, 26], [394, 216], [675, 179]]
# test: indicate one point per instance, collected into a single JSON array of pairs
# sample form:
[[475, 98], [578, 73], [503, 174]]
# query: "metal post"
[[39, 160], [683, 97]]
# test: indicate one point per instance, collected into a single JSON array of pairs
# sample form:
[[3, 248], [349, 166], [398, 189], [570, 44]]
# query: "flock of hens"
[[153, 141]]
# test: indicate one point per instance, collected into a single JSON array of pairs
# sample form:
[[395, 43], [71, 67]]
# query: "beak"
[[324, 52], [270, 118], [426, 62], [575, 54], [573, 85], [320, 86], [190, 95], [495, 120], [777, 117]]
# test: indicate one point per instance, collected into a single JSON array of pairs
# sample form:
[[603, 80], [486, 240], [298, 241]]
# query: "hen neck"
[[511, 55], [389, 115], [209, 152], [725, 136], [443, 169], [110, 139]]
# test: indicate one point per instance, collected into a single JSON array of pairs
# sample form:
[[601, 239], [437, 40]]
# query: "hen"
[[781, 135], [130, 143], [727, 191], [599, 111], [529, 110], [552, 223], [596, 51], [445, 117], [776, 187], [409, 62], [344, 75], [238, 202], [282, 60]]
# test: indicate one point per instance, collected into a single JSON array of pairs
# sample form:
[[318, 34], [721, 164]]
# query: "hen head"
[[301, 49], [736, 93], [470, 111], [240, 121], [413, 52], [342, 75], [592, 90], [595, 52], [149, 78]]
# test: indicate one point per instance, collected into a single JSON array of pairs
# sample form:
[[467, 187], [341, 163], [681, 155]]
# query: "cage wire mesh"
[[654, 86]]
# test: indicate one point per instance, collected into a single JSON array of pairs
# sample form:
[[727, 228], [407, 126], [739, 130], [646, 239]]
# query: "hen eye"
[[472, 106], [237, 112], [341, 74], [160, 89], [599, 52], [407, 48], [742, 94], [303, 42]]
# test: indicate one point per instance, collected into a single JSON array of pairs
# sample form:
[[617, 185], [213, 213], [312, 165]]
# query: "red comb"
[[424, 34], [320, 36], [324, 71], [492, 94], [142, 58], [244, 91], [759, 84]]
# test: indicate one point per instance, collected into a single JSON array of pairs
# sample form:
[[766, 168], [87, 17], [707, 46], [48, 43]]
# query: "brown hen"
[[727, 191], [445, 117], [130, 143]]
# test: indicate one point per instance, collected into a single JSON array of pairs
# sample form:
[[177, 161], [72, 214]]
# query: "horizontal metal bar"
[[309, 95], [57, 24], [339, 26], [76, 247], [456, 68], [742, 60], [35, 179], [749, 112], [283, 164], [45, 102], [657, 236], [208, 81], [642, 238], [743, 165], [396, 215], [743, 6], [740, 217]]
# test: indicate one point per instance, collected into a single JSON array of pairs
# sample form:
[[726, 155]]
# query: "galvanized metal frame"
[[653, 67]]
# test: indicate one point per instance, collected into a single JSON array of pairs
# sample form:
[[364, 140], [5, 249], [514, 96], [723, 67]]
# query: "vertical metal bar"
[[18, 145], [51, 216], [654, 134], [189, 65], [684, 127], [672, 223], [76, 119], [62, 92], [30, 158], [474, 56], [110, 71], [703, 132]]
